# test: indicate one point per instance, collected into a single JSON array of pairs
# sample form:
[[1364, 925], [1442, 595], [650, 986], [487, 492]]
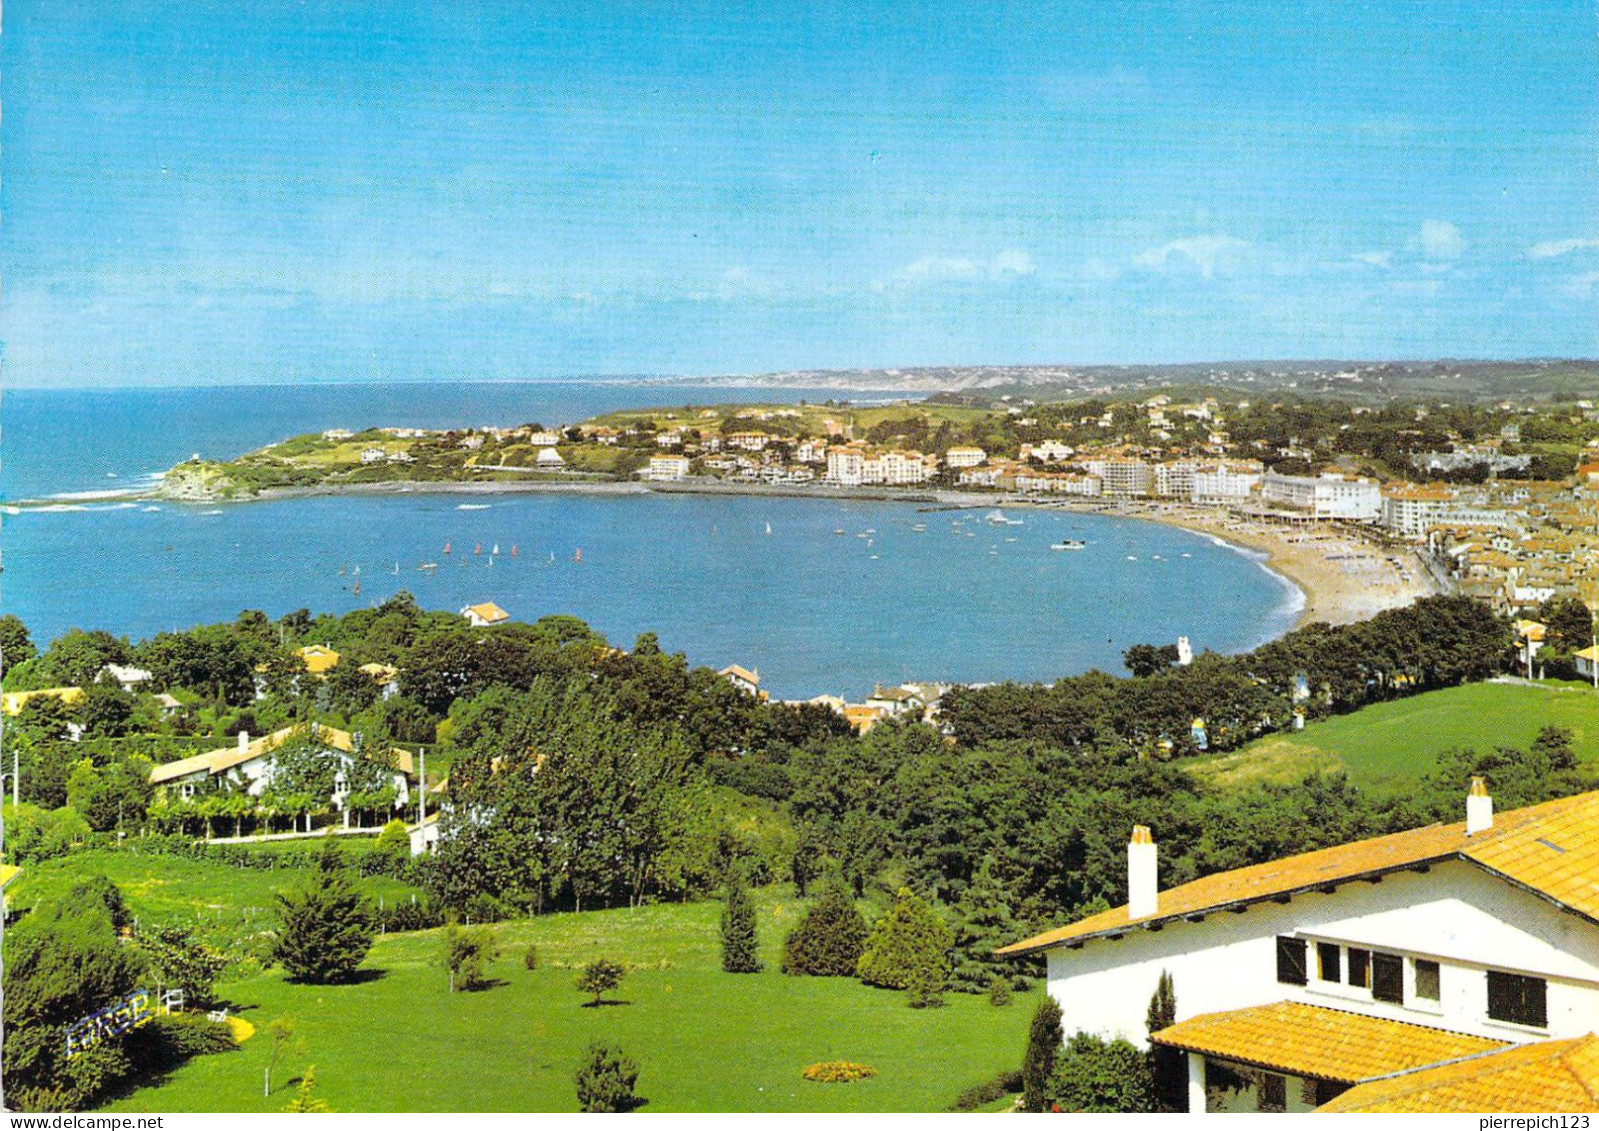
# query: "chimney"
[[1142, 884], [244, 741], [1479, 808]]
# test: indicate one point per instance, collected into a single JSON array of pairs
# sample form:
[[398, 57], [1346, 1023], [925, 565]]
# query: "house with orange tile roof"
[[1407, 972]]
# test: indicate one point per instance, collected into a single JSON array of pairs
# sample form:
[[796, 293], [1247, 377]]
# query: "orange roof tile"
[[1552, 849], [1542, 1076], [1322, 1043]]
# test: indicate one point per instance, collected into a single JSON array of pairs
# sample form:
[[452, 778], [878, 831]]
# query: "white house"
[[485, 614], [1456, 962], [1587, 661], [668, 468], [742, 678], [253, 763], [964, 457], [548, 459], [129, 678], [1332, 494]]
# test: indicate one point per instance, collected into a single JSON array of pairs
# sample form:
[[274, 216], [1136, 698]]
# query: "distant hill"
[[1445, 379]]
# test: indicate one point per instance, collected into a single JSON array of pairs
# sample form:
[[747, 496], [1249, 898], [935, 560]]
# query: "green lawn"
[[703, 1040], [231, 908], [1387, 747]]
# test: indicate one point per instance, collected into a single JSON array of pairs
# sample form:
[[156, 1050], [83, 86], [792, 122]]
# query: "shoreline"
[[1342, 576]]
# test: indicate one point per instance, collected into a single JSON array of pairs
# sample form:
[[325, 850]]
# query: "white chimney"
[[244, 741], [1142, 883], [1479, 808]]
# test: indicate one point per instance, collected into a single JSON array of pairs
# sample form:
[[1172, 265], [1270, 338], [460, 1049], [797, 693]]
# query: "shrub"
[[829, 940], [606, 1081], [395, 840], [304, 1101], [599, 976], [1044, 1040], [908, 946], [998, 991], [981, 1095], [530, 957], [1095, 1075], [467, 954], [99, 889], [167, 1040], [324, 930], [839, 1072], [738, 932], [182, 963]]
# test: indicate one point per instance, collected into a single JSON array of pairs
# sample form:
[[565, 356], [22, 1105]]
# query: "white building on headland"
[[1448, 968], [1332, 494], [855, 466]]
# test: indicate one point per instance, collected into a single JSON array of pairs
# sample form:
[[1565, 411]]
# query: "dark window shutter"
[[1388, 978], [1291, 960], [1518, 999], [1328, 966], [1359, 967]]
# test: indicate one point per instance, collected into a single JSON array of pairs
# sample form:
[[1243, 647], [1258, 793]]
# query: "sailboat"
[[578, 555], [396, 569], [446, 547], [494, 552], [768, 528], [477, 549]]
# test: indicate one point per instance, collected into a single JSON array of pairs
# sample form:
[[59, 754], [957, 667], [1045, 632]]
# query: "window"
[[1426, 980], [1518, 999], [1388, 978], [1359, 967], [1273, 1092], [1291, 960], [1328, 966]]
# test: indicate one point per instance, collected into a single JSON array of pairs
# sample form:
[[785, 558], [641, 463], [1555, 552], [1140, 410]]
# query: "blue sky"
[[207, 192]]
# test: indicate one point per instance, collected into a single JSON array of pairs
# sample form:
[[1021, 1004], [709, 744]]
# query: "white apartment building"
[[1448, 968], [1175, 479], [856, 467], [1047, 451], [1226, 481], [1119, 475], [964, 457], [665, 469], [1332, 494]]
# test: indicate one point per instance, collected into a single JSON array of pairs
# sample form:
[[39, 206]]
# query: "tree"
[[600, 976], [467, 953], [1044, 1041], [304, 1101], [606, 1080], [324, 929], [16, 646], [1167, 1066], [283, 1043], [182, 963], [738, 931], [908, 946], [1145, 660], [829, 940], [1096, 1075]]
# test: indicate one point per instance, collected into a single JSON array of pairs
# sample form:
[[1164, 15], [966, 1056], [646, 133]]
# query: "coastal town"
[[1365, 507]]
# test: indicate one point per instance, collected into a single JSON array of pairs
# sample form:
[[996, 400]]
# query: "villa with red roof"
[[1447, 968]]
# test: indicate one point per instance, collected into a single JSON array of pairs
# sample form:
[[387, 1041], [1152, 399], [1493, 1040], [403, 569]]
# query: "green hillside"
[[1387, 747]]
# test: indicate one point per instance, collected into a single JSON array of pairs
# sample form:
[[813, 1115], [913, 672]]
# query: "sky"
[[212, 192]]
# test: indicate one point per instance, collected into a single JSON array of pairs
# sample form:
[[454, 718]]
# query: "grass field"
[[1390, 746], [703, 1040], [230, 908]]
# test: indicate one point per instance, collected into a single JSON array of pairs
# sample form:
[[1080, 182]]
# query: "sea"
[[820, 595]]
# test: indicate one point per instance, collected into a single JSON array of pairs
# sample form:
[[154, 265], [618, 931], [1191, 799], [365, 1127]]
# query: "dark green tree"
[[324, 929], [467, 954], [829, 940], [1044, 1041], [1167, 1066], [606, 1081], [739, 947], [16, 646]]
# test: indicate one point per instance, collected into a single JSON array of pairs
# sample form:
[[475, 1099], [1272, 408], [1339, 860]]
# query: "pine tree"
[[606, 1081], [829, 940], [739, 954], [324, 929], [304, 1102], [983, 924], [1044, 1042]]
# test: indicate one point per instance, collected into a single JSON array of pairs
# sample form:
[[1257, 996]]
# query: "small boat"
[[1188, 555], [496, 549], [446, 547], [356, 571], [1068, 544], [1157, 557], [839, 530], [920, 528], [343, 571], [1132, 558], [515, 552], [477, 548], [768, 528], [357, 588], [396, 569], [428, 565], [577, 554]]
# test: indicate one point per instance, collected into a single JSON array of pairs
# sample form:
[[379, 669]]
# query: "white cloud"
[[1204, 252], [1439, 239], [1376, 258], [932, 269], [1549, 249], [1582, 286]]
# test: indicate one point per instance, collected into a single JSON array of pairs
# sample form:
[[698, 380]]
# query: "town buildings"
[[1330, 495], [1420, 964]]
